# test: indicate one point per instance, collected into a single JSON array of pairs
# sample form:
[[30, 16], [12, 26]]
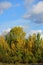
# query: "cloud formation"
[[30, 32], [4, 6], [36, 13], [4, 32], [38, 8], [28, 2], [37, 31]]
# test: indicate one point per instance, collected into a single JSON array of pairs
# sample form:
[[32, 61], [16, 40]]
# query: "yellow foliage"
[[4, 44], [42, 43], [13, 46]]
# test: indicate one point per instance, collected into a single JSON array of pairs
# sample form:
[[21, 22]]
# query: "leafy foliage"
[[14, 47]]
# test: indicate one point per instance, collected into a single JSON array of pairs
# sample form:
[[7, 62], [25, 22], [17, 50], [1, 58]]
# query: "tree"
[[4, 49], [15, 47], [31, 40], [17, 35], [37, 48]]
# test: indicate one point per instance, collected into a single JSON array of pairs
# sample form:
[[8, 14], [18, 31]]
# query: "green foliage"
[[14, 47]]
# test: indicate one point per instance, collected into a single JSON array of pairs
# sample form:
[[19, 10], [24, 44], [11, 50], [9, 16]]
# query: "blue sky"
[[25, 13]]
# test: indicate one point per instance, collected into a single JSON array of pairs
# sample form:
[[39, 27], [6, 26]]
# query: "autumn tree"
[[4, 49], [15, 47]]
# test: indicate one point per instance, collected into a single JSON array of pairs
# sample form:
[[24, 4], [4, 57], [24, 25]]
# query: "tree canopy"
[[15, 47]]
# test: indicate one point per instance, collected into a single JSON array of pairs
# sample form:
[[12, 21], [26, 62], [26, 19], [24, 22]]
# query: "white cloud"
[[4, 6], [4, 32], [27, 3], [37, 31], [36, 13], [30, 32], [38, 8], [7, 30]]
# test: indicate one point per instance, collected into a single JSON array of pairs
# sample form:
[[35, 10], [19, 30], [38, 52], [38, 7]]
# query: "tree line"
[[15, 47]]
